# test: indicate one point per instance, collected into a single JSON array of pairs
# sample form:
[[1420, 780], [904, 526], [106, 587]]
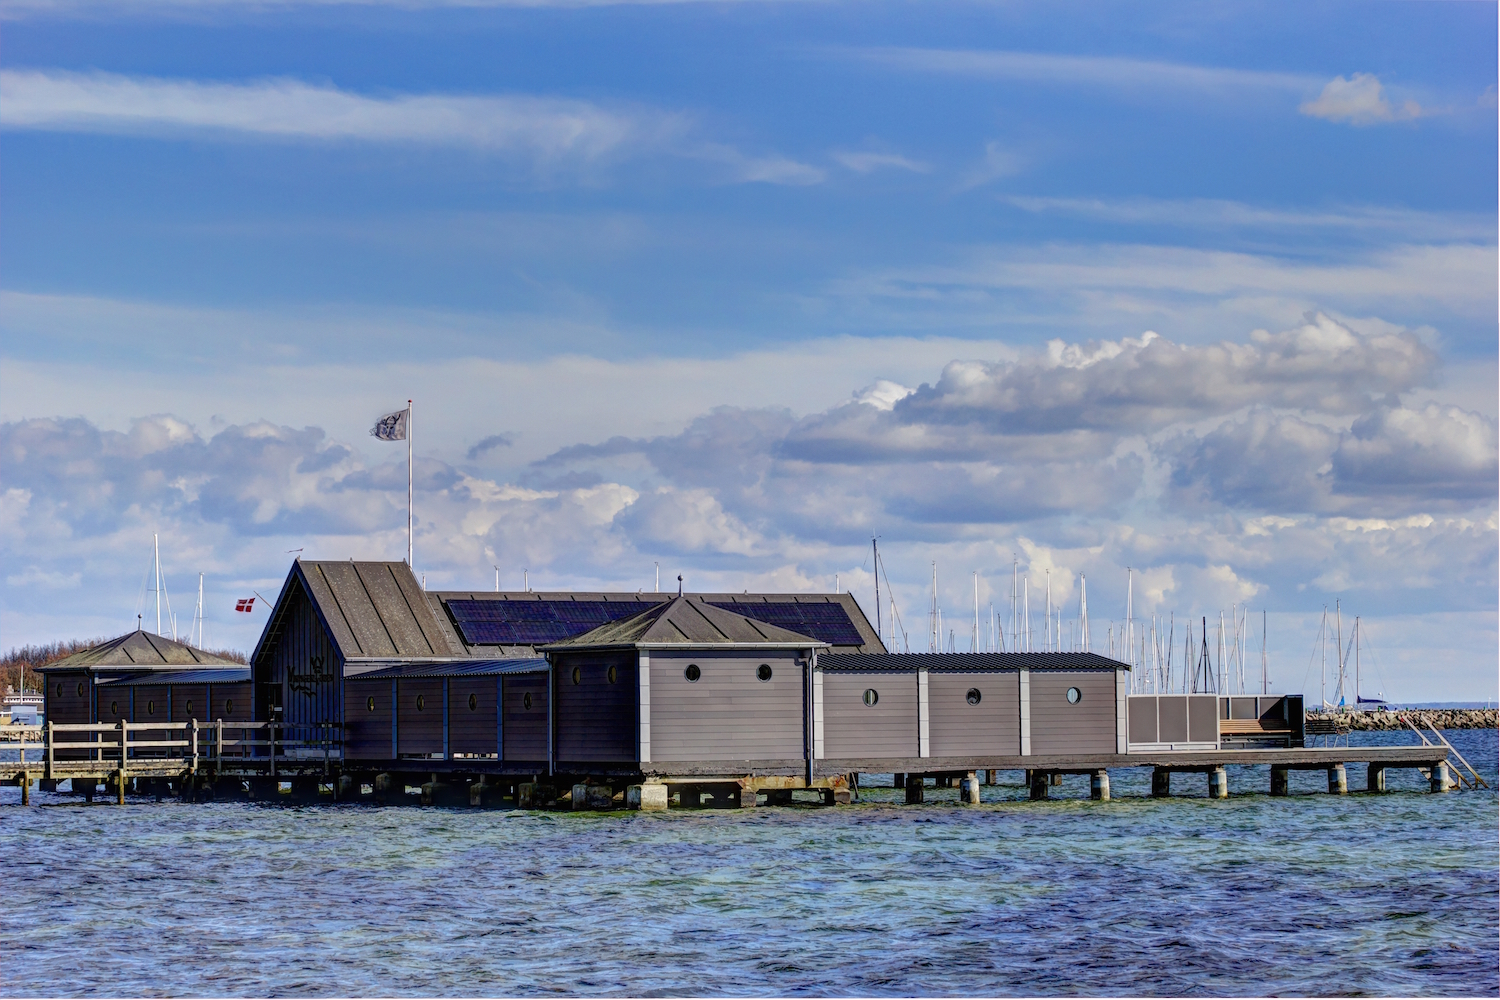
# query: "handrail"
[[1473, 778], [189, 742]]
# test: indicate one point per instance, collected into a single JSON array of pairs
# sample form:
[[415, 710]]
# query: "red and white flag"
[[245, 604]]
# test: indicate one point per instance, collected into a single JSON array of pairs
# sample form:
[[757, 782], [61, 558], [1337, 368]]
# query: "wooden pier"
[[189, 758]]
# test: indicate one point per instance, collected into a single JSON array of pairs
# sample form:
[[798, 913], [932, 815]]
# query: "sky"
[[1194, 301]]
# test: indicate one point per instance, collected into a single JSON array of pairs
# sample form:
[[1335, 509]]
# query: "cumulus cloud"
[[1438, 453], [1358, 100]]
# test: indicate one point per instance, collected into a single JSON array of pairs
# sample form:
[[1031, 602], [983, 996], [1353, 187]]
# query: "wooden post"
[[1039, 782], [120, 785], [1375, 778], [1218, 784], [1278, 780], [51, 737], [218, 746], [193, 742], [1338, 780], [124, 756], [898, 780], [1099, 786], [1161, 783], [25, 782], [914, 786]]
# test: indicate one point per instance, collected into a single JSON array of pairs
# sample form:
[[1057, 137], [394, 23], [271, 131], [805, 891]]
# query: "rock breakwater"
[[1441, 718]]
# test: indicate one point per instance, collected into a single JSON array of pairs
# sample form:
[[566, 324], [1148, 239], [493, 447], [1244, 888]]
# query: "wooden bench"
[[1253, 727]]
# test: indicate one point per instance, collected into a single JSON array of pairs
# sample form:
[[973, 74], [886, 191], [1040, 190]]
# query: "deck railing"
[[193, 744]]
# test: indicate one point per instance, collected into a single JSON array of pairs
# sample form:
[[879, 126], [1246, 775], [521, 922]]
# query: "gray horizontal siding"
[[853, 729], [957, 729], [1087, 727], [728, 713]]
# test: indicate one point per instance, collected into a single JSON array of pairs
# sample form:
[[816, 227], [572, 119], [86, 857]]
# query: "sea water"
[[1311, 894]]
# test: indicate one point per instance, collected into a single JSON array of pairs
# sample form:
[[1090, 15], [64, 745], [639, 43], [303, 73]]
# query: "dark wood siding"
[[300, 670], [419, 731], [728, 713], [596, 720], [190, 701], [526, 724], [367, 729], [1060, 727], [853, 729], [472, 721], [151, 703], [230, 702], [957, 729], [114, 704], [69, 701]]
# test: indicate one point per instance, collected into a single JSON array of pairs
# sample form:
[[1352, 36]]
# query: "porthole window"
[[189, 706], [421, 703], [763, 672], [526, 702], [577, 675], [369, 704], [80, 689], [114, 708], [973, 696], [150, 708], [229, 706], [871, 697], [473, 702], [612, 675], [1074, 696], [692, 673]]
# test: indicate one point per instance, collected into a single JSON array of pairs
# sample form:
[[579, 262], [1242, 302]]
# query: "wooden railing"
[[191, 744]]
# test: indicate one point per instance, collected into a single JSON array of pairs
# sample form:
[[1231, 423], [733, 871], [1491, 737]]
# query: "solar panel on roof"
[[825, 622], [527, 623]]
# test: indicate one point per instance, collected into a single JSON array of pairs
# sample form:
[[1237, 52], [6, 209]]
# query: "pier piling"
[[649, 797], [1218, 784], [1161, 783], [968, 790], [1039, 783], [1099, 786], [1375, 778], [914, 785], [1278, 781], [1439, 781], [1338, 780]]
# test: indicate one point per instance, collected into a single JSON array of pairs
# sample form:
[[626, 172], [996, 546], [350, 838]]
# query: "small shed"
[[683, 682]]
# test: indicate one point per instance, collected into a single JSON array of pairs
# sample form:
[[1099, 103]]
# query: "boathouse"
[[141, 677]]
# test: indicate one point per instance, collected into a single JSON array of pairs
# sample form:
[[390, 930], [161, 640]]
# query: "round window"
[[526, 702], [150, 708], [692, 673], [421, 703], [1074, 696], [577, 675], [973, 696], [80, 689], [59, 689], [229, 706], [114, 708], [612, 675], [473, 702], [763, 672], [189, 706], [871, 697], [370, 703]]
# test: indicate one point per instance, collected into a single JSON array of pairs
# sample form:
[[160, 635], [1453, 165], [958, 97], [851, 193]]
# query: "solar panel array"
[[826, 622], [529, 623]]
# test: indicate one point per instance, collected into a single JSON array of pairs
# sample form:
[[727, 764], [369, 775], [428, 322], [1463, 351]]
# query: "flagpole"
[[409, 492]]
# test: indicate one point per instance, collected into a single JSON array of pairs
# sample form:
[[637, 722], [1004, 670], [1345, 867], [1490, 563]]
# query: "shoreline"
[[1440, 718]]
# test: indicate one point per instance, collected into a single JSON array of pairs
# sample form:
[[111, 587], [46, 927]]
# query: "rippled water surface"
[[1315, 894]]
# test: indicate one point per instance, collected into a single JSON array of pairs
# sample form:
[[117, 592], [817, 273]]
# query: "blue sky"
[[1204, 291]]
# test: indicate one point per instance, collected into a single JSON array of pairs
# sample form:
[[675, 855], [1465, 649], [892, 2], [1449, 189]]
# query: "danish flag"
[[245, 604]]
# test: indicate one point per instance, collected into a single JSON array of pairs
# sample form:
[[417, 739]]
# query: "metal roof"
[[139, 650], [369, 608], [687, 621], [452, 668], [235, 675], [967, 661]]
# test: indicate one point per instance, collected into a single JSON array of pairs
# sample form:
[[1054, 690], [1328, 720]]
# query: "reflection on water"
[[1317, 894]]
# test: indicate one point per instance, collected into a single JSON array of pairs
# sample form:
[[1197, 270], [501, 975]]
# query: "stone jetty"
[[1440, 718]]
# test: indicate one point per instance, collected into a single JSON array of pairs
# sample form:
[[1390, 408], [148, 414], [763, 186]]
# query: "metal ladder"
[[1472, 778]]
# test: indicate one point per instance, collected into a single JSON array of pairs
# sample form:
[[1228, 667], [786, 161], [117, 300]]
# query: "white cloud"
[[867, 162], [1098, 71], [1358, 100]]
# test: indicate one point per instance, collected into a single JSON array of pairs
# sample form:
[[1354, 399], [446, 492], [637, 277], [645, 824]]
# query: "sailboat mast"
[[156, 563], [1264, 680], [1049, 610], [875, 566], [1083, 612]]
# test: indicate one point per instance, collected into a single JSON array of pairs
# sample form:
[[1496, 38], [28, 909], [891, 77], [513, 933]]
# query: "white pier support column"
[[1099, 786], [1218, 784], [1440, 780], [968, 790], [650, 797], [1338, 780]]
